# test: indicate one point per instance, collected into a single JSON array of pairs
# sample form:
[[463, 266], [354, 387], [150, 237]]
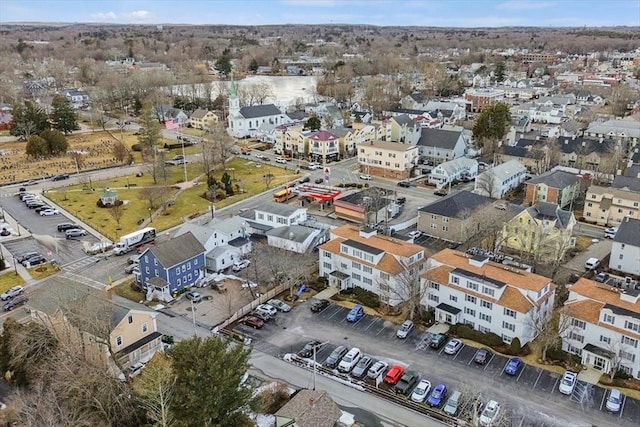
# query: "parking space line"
[[381, 329], [487, 364], [624, 400], [555, 385], [375, 320], [537, 379], [456, 355], [473, 356], [335, 312], [521, 371], [503, 368]]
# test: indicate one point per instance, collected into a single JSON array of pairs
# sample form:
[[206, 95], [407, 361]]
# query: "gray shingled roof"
[[440, 138], [570, 145], [177, 250], [629, 232], [259, 111], [550, 211], [455, 204], [555, 179], [621, 181], [281, 209], [311, 408], [295, 233], [404, 120], [200, 232]]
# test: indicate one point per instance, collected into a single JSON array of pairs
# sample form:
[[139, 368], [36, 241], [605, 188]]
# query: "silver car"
[[405, 329]]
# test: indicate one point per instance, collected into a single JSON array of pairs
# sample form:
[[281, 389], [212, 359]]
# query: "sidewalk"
[[9, 259]]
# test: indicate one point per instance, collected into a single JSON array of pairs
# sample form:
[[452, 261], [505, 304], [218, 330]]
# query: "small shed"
[[108, 197]]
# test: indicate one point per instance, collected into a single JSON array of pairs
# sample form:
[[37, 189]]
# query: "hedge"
[[363, 296], [464, 331]]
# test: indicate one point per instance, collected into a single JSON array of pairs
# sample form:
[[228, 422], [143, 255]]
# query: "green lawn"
[[9, 278], [81, 201]]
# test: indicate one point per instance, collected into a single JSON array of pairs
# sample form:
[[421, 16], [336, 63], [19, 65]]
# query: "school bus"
[[283, 195]]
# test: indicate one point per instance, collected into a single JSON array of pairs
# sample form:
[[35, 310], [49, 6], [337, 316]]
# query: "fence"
[[248, 308]]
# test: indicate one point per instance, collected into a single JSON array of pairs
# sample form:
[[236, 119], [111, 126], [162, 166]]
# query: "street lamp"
[[150, 219]]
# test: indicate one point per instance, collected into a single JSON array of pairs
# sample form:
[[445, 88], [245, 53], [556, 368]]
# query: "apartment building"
[[500, 180], [387, 159], [488, 296], [625, 250], [360, 257], [483, 98], [601, 324], [610, 205]]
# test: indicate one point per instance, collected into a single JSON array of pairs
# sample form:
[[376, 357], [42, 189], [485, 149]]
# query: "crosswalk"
[[82, 278], [80, 264]]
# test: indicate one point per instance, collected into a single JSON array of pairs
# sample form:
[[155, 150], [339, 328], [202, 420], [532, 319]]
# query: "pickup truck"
[[175, 161]]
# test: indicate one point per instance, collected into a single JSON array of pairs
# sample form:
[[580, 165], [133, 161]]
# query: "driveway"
[[600, 249]]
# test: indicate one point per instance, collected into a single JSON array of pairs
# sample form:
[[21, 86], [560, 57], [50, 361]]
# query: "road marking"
[[624, 400], [539, 375], [503, 368], [521, 371], [473, 356], [554, 388], [487, 364], [459, 351], [375, 320], [381, 329]]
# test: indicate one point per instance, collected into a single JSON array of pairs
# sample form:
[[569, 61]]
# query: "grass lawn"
[[126, 291], [9, 278], [43, 270], [81, 201]]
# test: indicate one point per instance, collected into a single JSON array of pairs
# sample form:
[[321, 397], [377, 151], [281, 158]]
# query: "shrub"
[[136, 147], [3, 264], [515, 346], [622, 375], [464, 331], [364, 297]]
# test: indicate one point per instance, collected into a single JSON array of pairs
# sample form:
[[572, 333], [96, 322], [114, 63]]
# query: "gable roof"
[[418, 97], [568, 145], [404, 120], [259, 111], [177, 250], [550, 211], [281, 209], [311, 408], [323, 135], [457, 204], [199, 113], [555, 179], [604, 294], [432, 137], [629, 232], [200, 232], [295, 233], [626, 182], [384, 243]]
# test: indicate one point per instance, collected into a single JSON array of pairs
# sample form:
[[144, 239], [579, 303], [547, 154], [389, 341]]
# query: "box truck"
[[131, 241]]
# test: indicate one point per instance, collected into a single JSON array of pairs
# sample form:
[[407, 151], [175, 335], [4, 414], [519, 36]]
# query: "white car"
[[241, 265], [490, 413], [377, 369], [415, 234], [421, 391], [271, 310], [12, 292], [279, 305], [405, 329], [365, 177], [610, 233], [614, 401], [49, 212], [281, 160], [453, 346], [350, 360], [568, 383]]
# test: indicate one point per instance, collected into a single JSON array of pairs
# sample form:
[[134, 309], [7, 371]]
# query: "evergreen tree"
[[207, 390], [313, 123], [56, 141], [63, 117], [499, 71], [491, 126], [28, 119], [149, 129], [36, 147], [223, 65]]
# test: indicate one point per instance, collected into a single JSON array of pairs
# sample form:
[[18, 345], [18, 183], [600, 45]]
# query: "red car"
[[393, 376], [253, 321]]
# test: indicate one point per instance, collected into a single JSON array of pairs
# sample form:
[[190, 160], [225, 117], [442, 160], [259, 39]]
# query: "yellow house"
[[115, 333], [542, 232], [203, 119]]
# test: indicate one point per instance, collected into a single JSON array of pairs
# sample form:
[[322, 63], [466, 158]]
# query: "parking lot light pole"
[[193, 316]]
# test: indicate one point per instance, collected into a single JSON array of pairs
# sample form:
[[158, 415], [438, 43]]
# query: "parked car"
[[16, 302], [415, 234], [490, 413], [308, 349], [49, 212], [377, 369], [194, 296], [135, 369], [602, 277], [438, 395], [482, 356], [421, 391], [451, 406], [304, 180], [453, 346], [393, 376], [66, 226], [441, 192], [271, 310], [365, 177], [407, 382], [405, 329], [319, 304], [405, 184], [401, 200], [253, 321], [241, 265], [336, 355], [360, 370], [355, 314], [513, 366], [33, 261], [12, 293], [75, 232], [592, 264], [319, 181], [130, 268], [614, 400], [25, 256], [262, 315], [279, 305], [350, 360], [610, 233], [568, 382], [438, 341], [42, 208]]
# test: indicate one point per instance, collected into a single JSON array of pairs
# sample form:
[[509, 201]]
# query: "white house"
[[488, 296], [225, 241], [601, 324], [273, 215], [498, 181], [295, 238], [77, 97], [625, 250], [440, 145], [453, 170], [245, 121], [355, 257]]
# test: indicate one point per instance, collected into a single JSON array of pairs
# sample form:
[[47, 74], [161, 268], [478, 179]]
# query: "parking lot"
[[531, 397]]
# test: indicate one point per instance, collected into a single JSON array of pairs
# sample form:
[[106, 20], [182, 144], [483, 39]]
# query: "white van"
[[350, 360], [592, 264]]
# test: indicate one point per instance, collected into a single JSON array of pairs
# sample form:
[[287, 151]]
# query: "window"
[[469, 311], [367, 269], [472, 285], [189, 266], [327, 254], [433, 226], [433, 216], [355, 276], [509, 312], [147, 271], [455, 279], [270, 218], [145, 327], [130, 319], [344, 266], [627, 355], [632, 326], [486, 304], [179, 281], [609, 318], [384, 287], [434, 285], [157, 273], [189, 277], [384, 276], [604, 339], [576, 337], [578, 323], [177, 270], [367, 280], [470, 298], [453, 298], [119, 341], [507, 339], [433, 298], [630, 341], [445, 228], [484, 329], [488, 291], [485, 317], [326, 265], [195, 261], [184, 268], [509, 326], [356, 265]]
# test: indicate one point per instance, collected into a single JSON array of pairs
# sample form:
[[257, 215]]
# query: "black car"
[[482, 356], [307, 350], [404, 184], [60, 177], [336, 356], [42, 208], [319, 181], [438, 341], [401, 200], [35, 204], [66, 226], [25, 256], [305, 180], [16, 302], [36, 260], [407, 383], [319, 305]]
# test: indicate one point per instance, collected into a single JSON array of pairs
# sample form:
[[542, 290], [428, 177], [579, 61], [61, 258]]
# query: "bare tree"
[[117, 211], [547, 328], [407, 287], [486, 184], [154, 195], [121, 153], [155, 386]]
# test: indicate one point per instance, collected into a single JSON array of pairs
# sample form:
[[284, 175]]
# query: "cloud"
[[138, 15], [104, 16], [525, 5]]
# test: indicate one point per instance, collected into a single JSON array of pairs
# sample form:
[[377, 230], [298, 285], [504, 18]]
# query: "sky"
[[433, 13]]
